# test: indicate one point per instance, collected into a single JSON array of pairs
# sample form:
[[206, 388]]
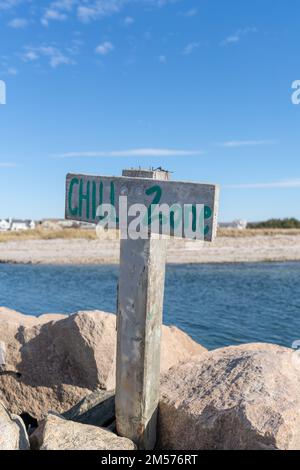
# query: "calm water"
[[217, 305]]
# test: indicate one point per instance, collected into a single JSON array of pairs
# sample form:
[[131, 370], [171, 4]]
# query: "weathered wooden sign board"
[[85, 194], [141, 283]]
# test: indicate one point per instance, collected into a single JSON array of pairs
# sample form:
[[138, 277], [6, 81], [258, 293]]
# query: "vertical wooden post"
[[140, 306]]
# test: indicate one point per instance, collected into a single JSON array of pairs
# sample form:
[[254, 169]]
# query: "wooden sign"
[[142, 277], [85, 194]]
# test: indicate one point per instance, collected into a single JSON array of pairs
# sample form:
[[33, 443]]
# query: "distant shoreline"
[[232, 248]]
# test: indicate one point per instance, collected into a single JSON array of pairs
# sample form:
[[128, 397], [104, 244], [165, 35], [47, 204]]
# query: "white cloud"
[[190, 48], [104, 48], [85, 10], [89, 10], [18, 23], [92, 10], [8, 4], [53, 15], [55, 56], [63, 4], [58, 11], [30, 56], [128, 20], [285, 184], [190, 13], [12, 71], [6, 68], [231, 40], [245, 143], [140, 152], [236, 37], [162, 59]]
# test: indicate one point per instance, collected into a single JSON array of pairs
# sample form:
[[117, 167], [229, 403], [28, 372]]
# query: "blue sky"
[[202, 88]]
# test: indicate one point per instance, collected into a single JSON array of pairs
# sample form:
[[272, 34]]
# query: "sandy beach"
[[228, 249]]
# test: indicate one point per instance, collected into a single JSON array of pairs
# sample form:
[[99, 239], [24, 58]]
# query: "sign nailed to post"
[[148, 200], [187, 210]]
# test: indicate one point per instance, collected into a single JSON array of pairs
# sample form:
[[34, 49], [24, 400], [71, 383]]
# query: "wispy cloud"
[[139, 152], [284, 184], [104, 48], [190, 48], [245, 143], [53, 15], [7, 165], [162, 59], [7, 69], [8, 4], [191, 12], [58, 11], [237, 36], [18, 23], [54, 55], [90, 10], [93, 10], [12, 71], [128, 20], [84, 10], [30, 55]]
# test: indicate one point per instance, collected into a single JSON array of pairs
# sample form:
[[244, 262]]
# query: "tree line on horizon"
[[287, 223]]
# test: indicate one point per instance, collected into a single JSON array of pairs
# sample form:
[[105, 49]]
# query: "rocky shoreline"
[[57, 389], [230, 249]]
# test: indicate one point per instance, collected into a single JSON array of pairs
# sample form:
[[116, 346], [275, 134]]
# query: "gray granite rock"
[[245, 397], [13, 434]]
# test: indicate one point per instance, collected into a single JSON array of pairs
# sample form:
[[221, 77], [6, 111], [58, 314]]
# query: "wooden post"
[[142, 275], [139, 321]]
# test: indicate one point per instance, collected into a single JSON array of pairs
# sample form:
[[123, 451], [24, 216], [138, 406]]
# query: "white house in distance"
[[15, 225], [4, 225], [235, 224]]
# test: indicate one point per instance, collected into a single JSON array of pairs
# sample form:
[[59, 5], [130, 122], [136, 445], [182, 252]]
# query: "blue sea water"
[[218, 305]]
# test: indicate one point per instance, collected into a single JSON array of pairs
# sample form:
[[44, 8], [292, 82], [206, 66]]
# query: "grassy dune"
[[40, 234], [70, 234], [270, 232]]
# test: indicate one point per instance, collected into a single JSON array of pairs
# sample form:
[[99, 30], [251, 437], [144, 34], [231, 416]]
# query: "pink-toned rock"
[[63, 358], [245, 397], [176, 347], [55, 433]]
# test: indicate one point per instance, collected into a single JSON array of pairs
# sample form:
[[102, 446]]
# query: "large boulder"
[[13, 434], [244, 397], [53, 361], [55, 433]]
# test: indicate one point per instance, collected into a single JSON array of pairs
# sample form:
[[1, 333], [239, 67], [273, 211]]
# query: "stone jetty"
[[57, 389]]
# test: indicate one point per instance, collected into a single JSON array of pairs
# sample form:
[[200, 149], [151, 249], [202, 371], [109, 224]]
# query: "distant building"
[[235, 224], [15, 225], [4, 225]]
